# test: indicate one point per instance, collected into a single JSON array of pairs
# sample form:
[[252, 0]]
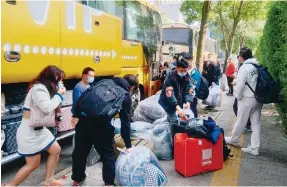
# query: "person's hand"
[[168, 91], [191, 91], [74, 122], [62, 91], [128, 150], [180, 112], [186, 105]]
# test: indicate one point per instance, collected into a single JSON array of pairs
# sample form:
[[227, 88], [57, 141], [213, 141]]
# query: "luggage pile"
[[150, 124]]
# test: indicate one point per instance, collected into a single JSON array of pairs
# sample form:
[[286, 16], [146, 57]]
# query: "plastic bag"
[[223, 83], [139, 167], [160, 121], [213, 98], [150, 108], [162, 142], [138, 116], [117, 124], [139, 126], [188, 115], [145, 134]]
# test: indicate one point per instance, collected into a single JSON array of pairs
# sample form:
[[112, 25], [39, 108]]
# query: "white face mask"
[[181, 74], [90, 79]]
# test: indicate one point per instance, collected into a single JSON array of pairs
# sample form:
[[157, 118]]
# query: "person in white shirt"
[[248, 106]]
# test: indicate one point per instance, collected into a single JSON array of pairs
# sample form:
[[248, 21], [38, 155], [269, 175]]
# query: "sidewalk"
[[269, 168]]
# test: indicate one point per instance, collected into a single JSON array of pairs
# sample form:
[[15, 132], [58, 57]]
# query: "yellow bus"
[[180, 37], [112, 37]]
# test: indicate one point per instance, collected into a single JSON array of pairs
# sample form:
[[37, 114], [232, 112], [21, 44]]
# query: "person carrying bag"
[[40, 108]]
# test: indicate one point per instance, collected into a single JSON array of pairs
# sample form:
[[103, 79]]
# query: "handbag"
[[39, 118]]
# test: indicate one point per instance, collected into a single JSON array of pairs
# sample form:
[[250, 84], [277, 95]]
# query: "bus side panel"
[[31, 28], [91, 38], [132, 54]]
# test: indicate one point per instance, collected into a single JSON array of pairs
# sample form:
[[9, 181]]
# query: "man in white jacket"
[[248, 106]]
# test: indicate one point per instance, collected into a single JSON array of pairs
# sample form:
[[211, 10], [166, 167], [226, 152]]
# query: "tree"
[[225, 18], [192, 10], [273, 50], [232, 13]]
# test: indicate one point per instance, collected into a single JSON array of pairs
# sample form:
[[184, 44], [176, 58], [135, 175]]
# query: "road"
[[9, 170]]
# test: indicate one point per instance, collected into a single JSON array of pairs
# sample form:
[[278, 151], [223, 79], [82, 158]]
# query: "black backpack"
[[102, 100], [202, 91], [267, 89], [226, 150]]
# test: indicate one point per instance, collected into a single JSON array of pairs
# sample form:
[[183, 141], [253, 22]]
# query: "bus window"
[[157, 26], [133, 21], [176, 35]]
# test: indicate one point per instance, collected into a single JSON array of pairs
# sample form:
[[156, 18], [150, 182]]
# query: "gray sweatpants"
[[248, 107]]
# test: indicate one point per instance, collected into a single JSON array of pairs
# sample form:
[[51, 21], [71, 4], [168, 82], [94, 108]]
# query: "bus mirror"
[[162, 43]]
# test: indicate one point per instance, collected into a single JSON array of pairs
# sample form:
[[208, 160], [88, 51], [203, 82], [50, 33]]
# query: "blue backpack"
[[267, 89], [202, 91]]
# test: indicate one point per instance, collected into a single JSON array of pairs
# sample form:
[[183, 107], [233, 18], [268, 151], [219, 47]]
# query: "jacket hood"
[[251, 60], [122, 83]]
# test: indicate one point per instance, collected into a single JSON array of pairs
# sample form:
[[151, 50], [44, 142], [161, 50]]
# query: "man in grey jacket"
[[248, 106]]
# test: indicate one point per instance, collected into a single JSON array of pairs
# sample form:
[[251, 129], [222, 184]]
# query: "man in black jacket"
[[210, 72], [100, 133]]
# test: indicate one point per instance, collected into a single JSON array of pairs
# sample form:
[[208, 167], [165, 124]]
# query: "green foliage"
[[192, 10], [273, 51]]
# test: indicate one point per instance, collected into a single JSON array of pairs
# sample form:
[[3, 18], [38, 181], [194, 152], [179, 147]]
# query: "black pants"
[[101, 135], [235, 109], [229, 81], [194, 107]]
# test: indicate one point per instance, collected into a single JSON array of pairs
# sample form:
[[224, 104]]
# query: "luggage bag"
[[193, 156]]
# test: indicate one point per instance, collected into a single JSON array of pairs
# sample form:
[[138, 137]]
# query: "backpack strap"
[[256, 66], [250, 87]]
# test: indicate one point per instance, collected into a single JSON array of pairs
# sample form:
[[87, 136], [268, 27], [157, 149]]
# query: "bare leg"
[[52, 161], [32, 163]]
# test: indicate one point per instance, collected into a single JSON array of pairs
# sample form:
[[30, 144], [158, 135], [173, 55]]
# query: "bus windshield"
[[176, 35]]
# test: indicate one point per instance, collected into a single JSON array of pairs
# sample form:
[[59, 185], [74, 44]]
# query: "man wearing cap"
[[248, 106]]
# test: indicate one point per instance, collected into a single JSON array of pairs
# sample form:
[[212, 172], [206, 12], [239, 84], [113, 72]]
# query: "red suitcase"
[[65, 123], [193, 156]]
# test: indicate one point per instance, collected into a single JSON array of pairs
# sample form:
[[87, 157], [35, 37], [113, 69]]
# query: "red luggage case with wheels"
[[193, 156]]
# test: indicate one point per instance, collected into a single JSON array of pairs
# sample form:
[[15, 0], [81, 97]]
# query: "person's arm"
[[169, 89], [125, 121], [188, 95], [41, 97], [240, 83], [77, 92]]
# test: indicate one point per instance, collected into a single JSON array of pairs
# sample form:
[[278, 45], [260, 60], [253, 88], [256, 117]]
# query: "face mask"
[[90, 80], [181, 74]]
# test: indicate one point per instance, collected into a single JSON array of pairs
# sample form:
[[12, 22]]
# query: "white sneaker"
[[228, 141], [250, 150]]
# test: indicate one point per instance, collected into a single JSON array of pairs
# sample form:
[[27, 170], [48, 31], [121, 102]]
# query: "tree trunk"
[[202, 33], [231, 37]]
